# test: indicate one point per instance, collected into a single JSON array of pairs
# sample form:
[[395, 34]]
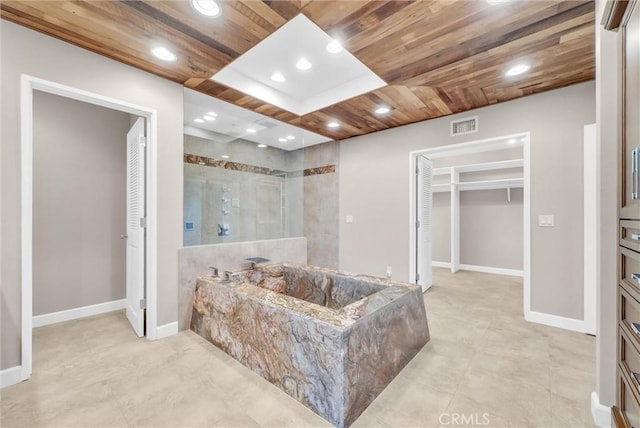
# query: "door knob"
[[123, 236]]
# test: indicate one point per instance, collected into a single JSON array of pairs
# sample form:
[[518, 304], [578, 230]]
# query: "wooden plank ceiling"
[[438, 57]]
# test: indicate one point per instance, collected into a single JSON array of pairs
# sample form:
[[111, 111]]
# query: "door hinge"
[[417, 169], [143, 303], [417, 277], [142, 141], [417, 224], [143, 222]]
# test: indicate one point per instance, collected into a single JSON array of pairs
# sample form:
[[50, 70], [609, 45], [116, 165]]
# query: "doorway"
[[146, 173], [452, 185]]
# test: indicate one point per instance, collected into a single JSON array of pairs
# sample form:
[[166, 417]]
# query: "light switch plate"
[[349, 219], [235, 202], [546, 220]]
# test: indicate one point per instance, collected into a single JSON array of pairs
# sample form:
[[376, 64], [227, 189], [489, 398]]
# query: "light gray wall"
[[79, 203], [608, 118], [374, 188], [491, 229], [29, 52]]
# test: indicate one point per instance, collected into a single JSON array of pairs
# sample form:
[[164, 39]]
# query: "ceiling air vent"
[[464, 126], [266, 123]]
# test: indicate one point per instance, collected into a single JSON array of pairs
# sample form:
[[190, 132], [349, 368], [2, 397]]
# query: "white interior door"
[[135, 226], [424, 206]]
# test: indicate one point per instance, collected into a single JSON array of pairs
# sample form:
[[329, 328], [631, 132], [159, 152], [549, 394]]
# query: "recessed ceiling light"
[[163, 53], [262, 146], [251, 130], [208, 117], [206, 7], [333, 125], [334, 46], [198, 120], [282, 140], [278, 77], [517, 69], [212, 113], [303, 64], [290, 137], [383, 110], [224, 156]]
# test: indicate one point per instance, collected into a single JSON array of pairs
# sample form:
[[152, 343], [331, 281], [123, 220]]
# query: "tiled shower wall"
[[263, 200], [311, 185], [321, 215]]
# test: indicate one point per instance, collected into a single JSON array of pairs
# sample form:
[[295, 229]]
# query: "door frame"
[[28, 84], [477, 146]]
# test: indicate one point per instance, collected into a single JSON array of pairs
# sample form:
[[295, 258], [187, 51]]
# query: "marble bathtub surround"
[[243, 167], [195, 261], [332, 341]]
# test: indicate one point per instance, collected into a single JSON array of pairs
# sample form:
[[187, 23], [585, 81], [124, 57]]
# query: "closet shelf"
[[487, 166], [506, 183]]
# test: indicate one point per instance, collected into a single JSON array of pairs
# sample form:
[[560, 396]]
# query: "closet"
[[453, 178]]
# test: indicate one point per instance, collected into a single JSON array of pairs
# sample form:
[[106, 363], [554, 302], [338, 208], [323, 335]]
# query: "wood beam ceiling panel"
[[439, 56], [286, 8], [32, 15]]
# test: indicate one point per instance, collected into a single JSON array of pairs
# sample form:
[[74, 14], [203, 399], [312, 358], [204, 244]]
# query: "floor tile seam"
[[461, 379]]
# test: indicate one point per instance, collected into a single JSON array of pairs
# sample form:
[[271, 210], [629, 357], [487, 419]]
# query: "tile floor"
[[484, 366]]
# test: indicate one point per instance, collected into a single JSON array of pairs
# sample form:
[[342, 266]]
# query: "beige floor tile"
[[482, 358], [408, 405], [567, 413], [465, 412], [519, 402]]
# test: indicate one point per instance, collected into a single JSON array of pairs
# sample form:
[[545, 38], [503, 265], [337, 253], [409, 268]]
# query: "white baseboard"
[[601, 414], [494, 270], [555, 321], [441, 264], [485, 269], [10, 376], [167, 330], [72, 314]]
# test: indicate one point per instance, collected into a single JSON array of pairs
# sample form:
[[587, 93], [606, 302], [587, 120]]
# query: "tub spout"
[[256, 261]]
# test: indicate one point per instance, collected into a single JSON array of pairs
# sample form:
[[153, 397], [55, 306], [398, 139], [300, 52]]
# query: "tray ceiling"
[[437, 57]]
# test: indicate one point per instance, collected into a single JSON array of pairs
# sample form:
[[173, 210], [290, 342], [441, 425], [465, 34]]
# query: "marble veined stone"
[[332, 341]]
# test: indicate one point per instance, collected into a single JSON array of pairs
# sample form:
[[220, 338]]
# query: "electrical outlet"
[[389, 272], [349, 219], [546, 220]]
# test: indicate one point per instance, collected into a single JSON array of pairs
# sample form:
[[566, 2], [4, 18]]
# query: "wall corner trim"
[[555, 321], [601, 414], [76, 313], [167, 330], [11, 376]]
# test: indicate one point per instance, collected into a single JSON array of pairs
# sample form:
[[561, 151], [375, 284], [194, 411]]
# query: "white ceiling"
[[331, 79], [232, 123]]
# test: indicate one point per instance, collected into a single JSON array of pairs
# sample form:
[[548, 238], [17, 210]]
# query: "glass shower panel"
[[235, 191]]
